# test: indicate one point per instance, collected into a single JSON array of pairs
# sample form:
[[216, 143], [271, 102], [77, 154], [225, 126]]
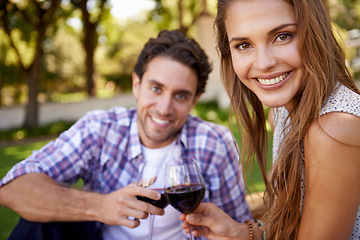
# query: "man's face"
[[165, 95]]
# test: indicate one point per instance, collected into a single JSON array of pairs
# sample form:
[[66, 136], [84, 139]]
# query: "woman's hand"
[[210, 221]]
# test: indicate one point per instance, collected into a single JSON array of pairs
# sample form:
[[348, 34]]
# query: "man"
[[106, 148]]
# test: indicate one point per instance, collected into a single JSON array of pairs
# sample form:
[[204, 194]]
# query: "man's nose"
[[164, 105]]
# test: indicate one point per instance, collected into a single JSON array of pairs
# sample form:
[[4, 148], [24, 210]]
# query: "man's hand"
[[122, 208], [36, 197]]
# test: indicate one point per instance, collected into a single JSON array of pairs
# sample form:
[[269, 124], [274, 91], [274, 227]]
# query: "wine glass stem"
[[191, 236], [151, 224]]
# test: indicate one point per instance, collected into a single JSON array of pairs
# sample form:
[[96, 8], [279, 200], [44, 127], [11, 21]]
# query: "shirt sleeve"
[[222, 173], [65, 158]]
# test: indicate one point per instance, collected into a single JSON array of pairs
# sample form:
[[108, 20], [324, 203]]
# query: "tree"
[[346, 13], [26, 24], [181, 14], [91, 17]]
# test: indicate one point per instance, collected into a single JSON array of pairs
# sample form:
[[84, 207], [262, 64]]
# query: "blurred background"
[[61, 58]]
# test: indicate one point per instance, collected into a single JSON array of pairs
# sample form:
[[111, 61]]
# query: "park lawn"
[[9, 156]]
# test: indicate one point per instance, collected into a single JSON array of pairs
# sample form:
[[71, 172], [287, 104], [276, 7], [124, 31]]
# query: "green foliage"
[[122, 81], [22, 133], [166, 14], [210, 111], [346, 13]]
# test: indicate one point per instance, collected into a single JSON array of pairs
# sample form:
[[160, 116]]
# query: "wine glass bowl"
[[152, 177], [184, 185], [149, 178], [185, 198]]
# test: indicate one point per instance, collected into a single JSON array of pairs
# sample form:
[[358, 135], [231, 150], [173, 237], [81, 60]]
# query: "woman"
[[283, 54]]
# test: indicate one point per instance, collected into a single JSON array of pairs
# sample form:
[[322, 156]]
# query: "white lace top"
[[342, 100]]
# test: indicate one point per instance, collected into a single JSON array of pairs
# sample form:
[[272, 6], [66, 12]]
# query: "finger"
[[200, 232], [182, 217], [127, 203], [129, 222], [134, 213], [200, 220], [204, 207], [146, 192]]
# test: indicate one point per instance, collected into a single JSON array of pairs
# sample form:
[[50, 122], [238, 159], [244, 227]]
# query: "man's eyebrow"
[[155, 82], [240, 39]]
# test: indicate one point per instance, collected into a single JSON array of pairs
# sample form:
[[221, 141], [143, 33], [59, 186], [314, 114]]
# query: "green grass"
[[9, 156]]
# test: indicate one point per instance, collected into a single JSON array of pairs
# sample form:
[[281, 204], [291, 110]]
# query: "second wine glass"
[[152, 177], [184, 185]]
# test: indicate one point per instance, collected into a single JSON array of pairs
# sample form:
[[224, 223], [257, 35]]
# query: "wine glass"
[[151, 176], [184, 185]]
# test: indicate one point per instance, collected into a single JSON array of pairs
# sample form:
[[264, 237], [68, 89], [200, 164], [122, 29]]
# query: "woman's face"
[[264, 49]]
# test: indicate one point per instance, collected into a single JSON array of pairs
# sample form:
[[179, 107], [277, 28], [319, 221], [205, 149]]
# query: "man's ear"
[[135, 85]]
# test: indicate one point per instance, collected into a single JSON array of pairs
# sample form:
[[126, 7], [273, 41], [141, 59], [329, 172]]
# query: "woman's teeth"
[[272, 81], [159, 121]]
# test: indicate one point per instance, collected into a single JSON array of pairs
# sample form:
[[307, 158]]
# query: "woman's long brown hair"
[[324, 64]]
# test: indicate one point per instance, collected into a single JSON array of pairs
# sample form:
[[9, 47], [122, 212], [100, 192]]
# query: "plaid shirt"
[[103, 148]]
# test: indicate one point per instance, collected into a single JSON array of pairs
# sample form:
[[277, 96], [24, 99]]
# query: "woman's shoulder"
[[332, 134], [338, 126]]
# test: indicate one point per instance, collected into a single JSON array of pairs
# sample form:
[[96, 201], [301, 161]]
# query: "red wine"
[[161, 203], [185, 198]]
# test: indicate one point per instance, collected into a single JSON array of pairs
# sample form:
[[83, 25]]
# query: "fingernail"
[[190, 218]]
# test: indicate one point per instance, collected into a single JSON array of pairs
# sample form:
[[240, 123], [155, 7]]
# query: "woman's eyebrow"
[[238, 39], [281, 27]]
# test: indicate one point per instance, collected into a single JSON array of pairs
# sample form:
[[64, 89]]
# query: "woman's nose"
[[264, 59]]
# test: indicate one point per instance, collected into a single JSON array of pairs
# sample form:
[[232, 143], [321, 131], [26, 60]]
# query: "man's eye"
[[180, 97], [155, 89]]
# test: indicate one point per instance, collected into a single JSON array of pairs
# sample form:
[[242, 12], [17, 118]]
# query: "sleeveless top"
[[341, 100]]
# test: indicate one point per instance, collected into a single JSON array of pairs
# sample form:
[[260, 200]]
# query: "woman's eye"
[[242, 46], [283, 37]]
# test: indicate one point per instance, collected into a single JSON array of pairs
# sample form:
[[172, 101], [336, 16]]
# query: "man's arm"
[[36, 197]]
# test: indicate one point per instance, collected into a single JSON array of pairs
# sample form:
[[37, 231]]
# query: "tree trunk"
[[90, 43], [32, 75], [32, 107]]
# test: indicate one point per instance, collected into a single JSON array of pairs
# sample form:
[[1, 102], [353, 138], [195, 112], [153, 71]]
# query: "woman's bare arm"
[[332, 163]]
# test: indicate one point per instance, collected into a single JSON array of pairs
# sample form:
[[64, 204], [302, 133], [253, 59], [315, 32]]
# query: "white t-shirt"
[[165, 227]]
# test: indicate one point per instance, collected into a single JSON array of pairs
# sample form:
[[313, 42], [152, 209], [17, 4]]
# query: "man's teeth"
[[273, 80], [159, 121]]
